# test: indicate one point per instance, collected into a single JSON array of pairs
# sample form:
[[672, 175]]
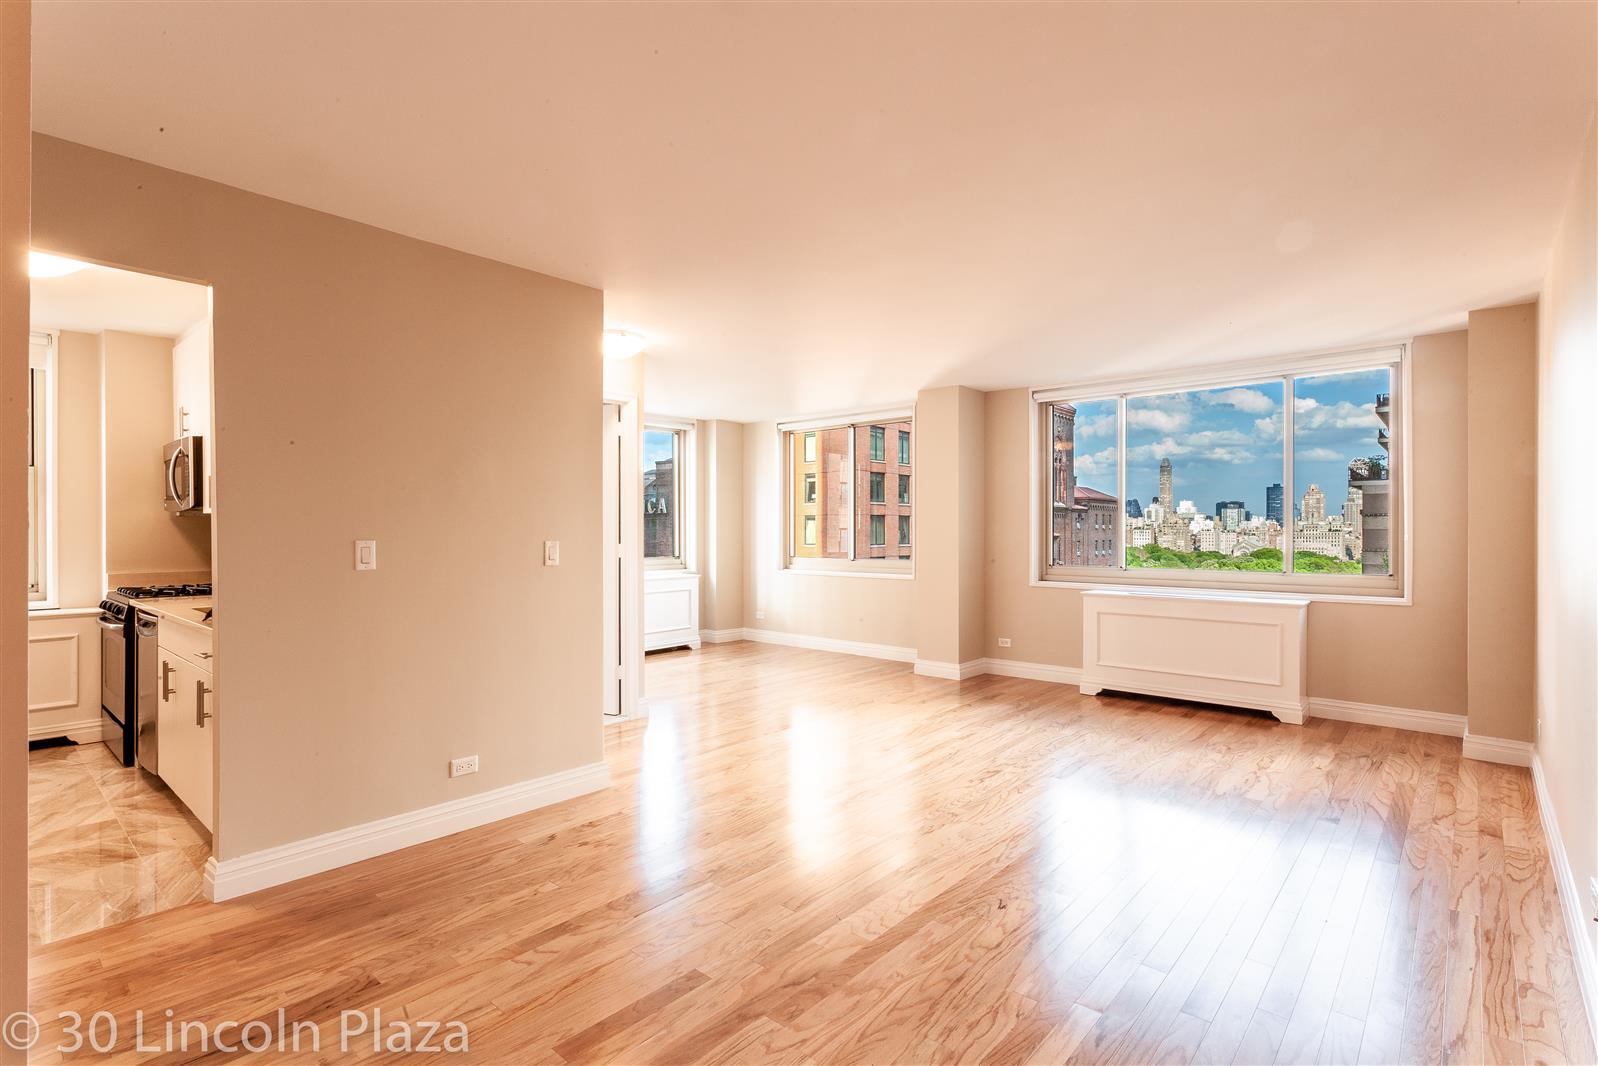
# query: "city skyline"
[[1224, 444]]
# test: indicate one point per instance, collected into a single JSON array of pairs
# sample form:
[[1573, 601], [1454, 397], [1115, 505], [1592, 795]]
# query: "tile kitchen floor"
[[105, 843]]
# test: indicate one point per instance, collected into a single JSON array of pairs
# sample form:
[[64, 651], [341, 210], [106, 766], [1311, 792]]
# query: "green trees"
[[1261, 560]]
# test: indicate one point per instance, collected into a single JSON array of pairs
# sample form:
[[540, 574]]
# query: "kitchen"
[[121, 692]]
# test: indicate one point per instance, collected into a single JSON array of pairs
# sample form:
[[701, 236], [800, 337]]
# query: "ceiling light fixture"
[[45, 265], [619, 344]]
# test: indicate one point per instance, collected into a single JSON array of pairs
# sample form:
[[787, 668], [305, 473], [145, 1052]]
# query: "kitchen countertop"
[[188, 609]]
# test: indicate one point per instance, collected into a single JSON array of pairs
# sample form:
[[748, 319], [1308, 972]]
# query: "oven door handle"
[[110, 626]]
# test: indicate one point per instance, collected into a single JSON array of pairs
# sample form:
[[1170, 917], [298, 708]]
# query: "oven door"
[[114, 686]]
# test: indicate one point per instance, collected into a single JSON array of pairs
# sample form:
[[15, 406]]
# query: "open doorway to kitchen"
[[121, 782]]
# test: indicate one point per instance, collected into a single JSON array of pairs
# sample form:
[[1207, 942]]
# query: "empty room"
[[880, 533]]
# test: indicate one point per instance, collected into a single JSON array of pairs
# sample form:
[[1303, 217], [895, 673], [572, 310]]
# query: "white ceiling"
[[99, 298], [808, 207]]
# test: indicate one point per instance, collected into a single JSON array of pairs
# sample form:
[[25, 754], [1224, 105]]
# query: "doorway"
[[121, 799]]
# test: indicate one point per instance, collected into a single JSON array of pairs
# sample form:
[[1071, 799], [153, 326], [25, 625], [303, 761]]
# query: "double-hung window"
[[1287, 477], [848, 493], [665, 452], [41, 473]]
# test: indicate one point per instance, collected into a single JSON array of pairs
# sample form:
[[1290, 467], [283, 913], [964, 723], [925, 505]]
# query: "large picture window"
[[1282, 478], [849, 494]]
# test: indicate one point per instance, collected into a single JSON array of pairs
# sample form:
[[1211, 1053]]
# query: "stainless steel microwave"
[[185, 475]]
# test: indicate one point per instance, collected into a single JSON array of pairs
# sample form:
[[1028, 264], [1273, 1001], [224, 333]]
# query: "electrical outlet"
[[466, 764], [1004, 642], [760, 616]]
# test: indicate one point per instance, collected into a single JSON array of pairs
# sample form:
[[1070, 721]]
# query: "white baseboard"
[[1060, 675], [1416, 721], [1576, 925], [720, 636], [950, 671], [1497, 749], [290, 862], [845, 647], [84, 731]]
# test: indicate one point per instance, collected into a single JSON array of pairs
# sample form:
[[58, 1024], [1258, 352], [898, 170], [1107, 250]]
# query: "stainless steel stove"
[[128, 661]]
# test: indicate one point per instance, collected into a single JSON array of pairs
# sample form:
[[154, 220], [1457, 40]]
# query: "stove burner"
[[162, 592]]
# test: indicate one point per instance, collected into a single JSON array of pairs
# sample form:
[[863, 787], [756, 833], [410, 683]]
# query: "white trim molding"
[[891, 652], [85, 731], [1497, 749], [1059, 675], [951, 671], [720, 636], [240, 876], [1576, 925], [1408, 718]]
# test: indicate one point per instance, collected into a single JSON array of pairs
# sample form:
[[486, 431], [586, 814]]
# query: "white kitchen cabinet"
[[186, 755], [191, 395]]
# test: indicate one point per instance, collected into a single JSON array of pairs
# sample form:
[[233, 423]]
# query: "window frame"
[[892, 568], [683, 470], [42, 545], [1391, 589]]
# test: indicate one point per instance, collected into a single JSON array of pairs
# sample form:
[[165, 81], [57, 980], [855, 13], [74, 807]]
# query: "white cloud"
[[1321, 454], [1251, 401], [1159, 419], [1101, 462]]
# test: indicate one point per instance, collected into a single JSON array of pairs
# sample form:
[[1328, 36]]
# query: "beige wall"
[[950, 501], [15, 19], [1501, 464], [1419, 650], [1567, 575], [870, 610], [79, 526], [373, 386], [144, 543], [720, 492]]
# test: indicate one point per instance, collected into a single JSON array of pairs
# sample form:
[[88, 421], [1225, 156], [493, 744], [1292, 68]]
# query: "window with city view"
[[1199, 486], [662, 457], [850, 494], [1198, 464]]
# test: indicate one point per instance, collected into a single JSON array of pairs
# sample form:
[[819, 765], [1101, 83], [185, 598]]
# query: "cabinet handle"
[[167, 691], [200, 713]]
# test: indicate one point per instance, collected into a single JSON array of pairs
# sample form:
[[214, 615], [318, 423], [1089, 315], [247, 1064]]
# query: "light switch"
[[366, 555], [551, 553]]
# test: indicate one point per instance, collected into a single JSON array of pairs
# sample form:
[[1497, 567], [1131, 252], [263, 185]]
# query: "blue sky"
[[1225, 444], [657, 445]]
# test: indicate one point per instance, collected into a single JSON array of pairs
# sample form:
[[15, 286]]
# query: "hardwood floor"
[[818, 858]]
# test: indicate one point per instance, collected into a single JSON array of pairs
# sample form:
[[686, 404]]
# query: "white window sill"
[[662, 573], [43, 612], [892, 575], [1393, 597]]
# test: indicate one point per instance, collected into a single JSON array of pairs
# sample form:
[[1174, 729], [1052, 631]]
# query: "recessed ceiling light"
[[45, 265], [619, 344]]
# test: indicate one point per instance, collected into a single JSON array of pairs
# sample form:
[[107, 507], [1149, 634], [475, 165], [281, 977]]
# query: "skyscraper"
[[1166, 499], [1273, 503], [1230, 514], [1133, 508], [1313, 506]]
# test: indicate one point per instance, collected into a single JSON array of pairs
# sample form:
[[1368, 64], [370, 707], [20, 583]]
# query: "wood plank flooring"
[[808, 857]]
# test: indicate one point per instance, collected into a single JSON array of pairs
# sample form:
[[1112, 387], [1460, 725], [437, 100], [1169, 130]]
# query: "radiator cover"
[[1238, 651]]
